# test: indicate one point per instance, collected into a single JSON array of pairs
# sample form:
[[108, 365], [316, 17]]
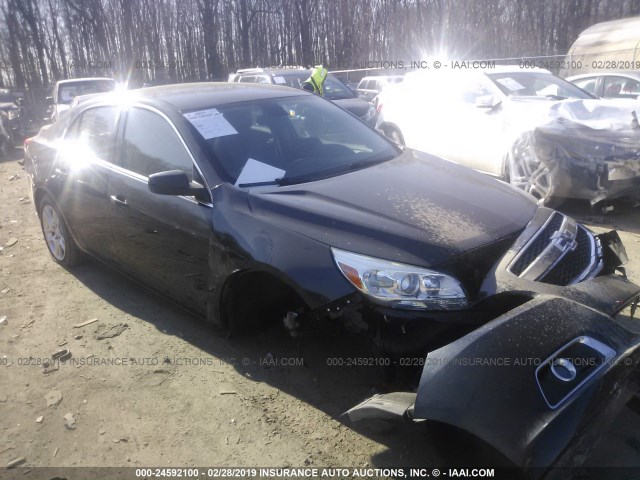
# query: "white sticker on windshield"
[[210, 123], [510, 83], [279, 80], [255, 172]]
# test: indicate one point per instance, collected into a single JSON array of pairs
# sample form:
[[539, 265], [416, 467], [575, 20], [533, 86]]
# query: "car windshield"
[[535, 84], [333, 88], [288, 140], [68, 91]]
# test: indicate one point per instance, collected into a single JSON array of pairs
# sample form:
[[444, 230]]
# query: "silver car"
[[526, 126]]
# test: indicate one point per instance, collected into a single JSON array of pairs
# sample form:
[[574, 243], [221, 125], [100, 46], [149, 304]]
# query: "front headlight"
[[12, 114], [399, 285]]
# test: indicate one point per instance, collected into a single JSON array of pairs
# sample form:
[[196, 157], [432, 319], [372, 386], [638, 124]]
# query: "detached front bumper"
[[539, 383]]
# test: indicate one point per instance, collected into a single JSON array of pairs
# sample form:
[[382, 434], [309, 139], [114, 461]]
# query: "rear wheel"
[[60, 244]]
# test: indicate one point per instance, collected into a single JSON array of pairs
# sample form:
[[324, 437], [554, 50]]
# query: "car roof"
[[290, 71], [192, 96], [485, 70], [272, 71], [499, 69], [631, 74], [513, 69], [83, 79], [380, 77]]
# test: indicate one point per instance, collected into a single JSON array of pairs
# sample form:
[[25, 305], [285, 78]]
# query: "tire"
[[395, 135], [61, 245], [525, 171]]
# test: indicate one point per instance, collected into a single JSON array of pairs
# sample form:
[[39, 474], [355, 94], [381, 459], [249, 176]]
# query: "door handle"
[[119, 201]]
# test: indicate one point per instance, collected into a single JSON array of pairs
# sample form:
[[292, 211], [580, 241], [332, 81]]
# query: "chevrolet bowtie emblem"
[[564, 240]]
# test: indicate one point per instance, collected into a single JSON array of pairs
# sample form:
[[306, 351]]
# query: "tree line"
[[191, 40]]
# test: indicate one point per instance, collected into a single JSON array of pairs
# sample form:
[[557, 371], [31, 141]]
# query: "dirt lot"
[[176, 393]]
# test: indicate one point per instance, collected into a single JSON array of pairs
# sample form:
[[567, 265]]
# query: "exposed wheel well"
[[254, 300]]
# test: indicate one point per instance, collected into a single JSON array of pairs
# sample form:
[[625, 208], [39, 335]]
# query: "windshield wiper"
[[276, 181], [556, 97], [333, 172]]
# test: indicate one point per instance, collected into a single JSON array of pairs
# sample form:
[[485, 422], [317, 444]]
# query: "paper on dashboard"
[[210, 123], [255, 171]]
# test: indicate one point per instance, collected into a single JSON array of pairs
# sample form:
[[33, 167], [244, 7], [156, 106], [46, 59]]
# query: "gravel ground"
[[166, 390]]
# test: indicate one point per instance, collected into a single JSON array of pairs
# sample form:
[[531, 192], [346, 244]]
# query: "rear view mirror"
[[172, 182]]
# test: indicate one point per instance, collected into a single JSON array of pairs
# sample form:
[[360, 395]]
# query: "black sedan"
[[246, 203]]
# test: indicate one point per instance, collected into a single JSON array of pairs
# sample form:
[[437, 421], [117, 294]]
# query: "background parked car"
[[334, 89], [12, 117], [369, 87], [64, 91], [528, 127], [609, 84]]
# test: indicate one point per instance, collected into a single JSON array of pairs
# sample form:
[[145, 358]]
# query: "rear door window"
[[95, 130], [621, 87]]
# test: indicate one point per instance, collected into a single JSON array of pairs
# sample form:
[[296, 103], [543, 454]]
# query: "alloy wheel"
[[54, 233]]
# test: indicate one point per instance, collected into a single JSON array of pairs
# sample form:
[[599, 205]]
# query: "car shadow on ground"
[[320, 376]]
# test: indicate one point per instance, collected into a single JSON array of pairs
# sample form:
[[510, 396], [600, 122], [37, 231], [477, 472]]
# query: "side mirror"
[[172, 182], [49, 100], [487, 101]]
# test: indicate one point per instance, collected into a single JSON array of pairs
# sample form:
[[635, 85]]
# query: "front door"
[[163, 240]]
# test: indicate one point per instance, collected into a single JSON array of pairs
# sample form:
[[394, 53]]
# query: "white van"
[[612, 46]]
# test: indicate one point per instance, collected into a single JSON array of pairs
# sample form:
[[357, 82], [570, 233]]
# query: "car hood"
[[356, 106], [600, 116], [415, 209]]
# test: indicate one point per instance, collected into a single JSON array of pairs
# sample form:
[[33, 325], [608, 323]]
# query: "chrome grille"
[[562, 252], [537, 245], [571, 266]]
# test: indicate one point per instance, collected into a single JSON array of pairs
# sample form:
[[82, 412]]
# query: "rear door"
[[83, 162], [162, 239]]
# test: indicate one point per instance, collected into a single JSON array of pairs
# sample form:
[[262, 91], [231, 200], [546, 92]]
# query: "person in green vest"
[[316, 80]]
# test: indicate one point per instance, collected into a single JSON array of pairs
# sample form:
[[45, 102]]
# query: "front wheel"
[[526, 172], [61, 246]]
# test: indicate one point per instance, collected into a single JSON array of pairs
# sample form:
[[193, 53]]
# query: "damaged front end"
[[541, 380], [592, 152], [539, 384]]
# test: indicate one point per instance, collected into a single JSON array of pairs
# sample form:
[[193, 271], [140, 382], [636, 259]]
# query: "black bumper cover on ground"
[[497, 383]]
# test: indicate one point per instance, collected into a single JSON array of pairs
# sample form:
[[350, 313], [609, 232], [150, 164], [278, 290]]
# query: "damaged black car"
[[246, 203]]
